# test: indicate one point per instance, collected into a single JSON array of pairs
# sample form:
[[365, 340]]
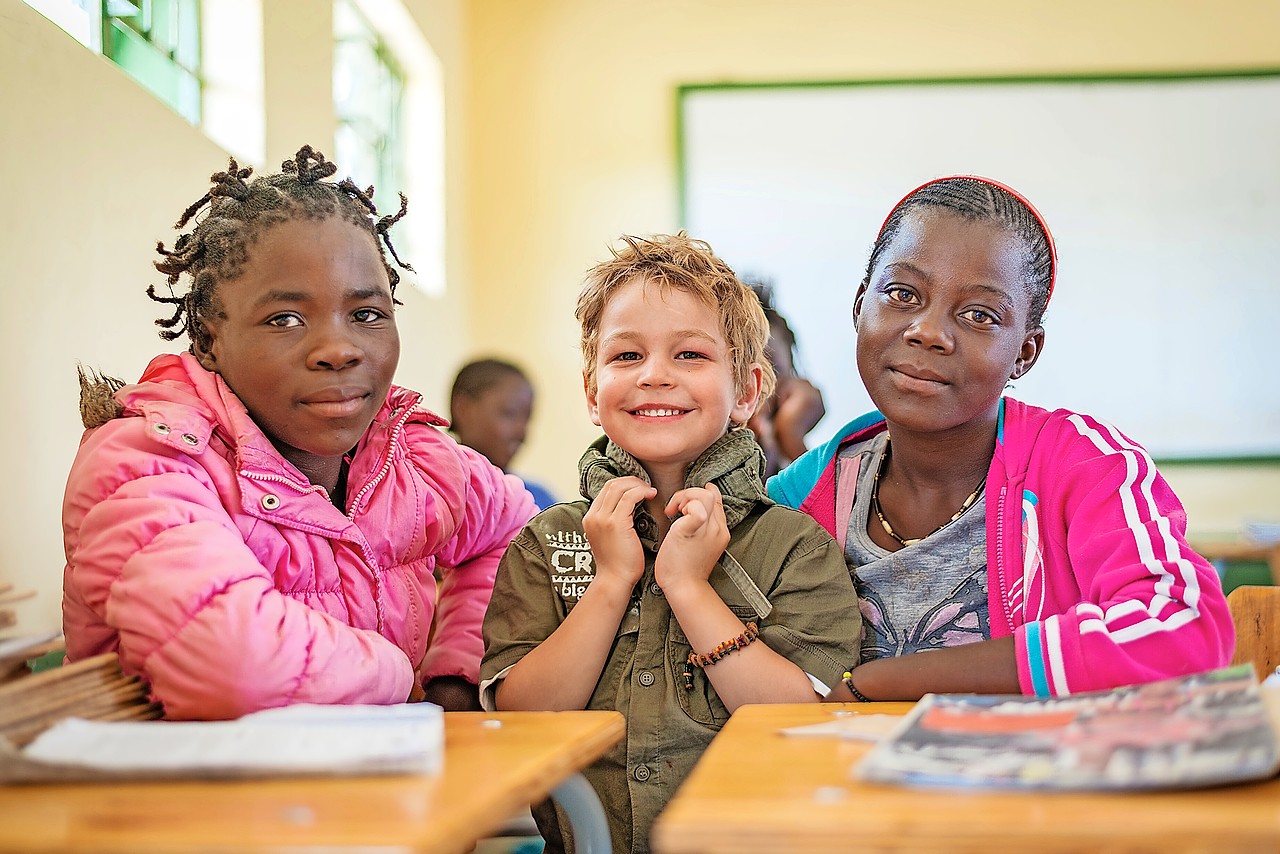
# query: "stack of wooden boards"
[[8, 597], [94, 688]]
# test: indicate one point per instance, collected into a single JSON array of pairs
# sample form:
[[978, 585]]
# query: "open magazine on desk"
[[1207, 729]]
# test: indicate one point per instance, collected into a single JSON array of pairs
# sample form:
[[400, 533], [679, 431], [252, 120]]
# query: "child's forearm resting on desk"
[[561, 672], [452, 693], [468, 566], [689, 553], [985, 667], [751, 674]]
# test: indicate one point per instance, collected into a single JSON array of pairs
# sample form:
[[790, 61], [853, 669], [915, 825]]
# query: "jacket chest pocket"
[[697, 697]]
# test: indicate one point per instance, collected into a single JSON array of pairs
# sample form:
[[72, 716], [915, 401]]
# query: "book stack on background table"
[[94, 688]]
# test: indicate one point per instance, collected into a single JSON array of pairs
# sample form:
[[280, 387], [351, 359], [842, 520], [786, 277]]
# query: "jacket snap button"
[[641, 773], [162, 429], [270, 502], [646, 678], [189, 439]]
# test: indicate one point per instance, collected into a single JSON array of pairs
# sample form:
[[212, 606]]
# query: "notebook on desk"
[[302, 740]]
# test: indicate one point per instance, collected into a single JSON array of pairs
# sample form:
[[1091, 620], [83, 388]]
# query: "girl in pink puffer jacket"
[[258, 522]]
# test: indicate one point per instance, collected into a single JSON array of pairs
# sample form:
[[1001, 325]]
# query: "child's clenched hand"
[[696, 539], [610, 529]]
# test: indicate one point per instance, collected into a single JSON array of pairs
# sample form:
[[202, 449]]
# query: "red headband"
[[1048, 235]]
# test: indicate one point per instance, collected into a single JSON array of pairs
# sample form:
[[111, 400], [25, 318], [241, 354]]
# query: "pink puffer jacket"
[[222, 576]]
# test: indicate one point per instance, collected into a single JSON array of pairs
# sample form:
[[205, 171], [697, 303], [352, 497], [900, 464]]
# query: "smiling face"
[[665, 389], [306, 338], [942, 322]]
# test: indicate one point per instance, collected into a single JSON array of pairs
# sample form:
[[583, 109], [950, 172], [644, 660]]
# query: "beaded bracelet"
[[731, 645], [857, 695]]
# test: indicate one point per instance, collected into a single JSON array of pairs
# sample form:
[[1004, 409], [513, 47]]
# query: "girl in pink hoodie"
[[997, 547], [258, 521]]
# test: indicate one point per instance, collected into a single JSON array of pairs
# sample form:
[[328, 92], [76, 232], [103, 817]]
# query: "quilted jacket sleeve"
[[154, 559], [495, 506]]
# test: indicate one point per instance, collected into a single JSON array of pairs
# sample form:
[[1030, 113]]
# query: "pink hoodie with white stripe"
[[1087, 560]]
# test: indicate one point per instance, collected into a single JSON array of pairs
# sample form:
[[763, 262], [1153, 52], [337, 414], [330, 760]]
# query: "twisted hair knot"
[[231, 184], [309, 165]]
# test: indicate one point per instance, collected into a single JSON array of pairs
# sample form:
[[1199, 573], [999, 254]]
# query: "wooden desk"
[[490, 772], [756, 790], [1220, 552], [1227, 549]]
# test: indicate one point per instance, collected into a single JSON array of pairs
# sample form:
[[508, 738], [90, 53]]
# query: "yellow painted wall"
[[95, 171], [560, 137], [573, 143]]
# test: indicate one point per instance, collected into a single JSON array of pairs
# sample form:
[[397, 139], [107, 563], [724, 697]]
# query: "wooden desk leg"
[[586, 816]]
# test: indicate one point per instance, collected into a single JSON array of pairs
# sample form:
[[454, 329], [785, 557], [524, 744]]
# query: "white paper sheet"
[[302, 739], [857, 727]]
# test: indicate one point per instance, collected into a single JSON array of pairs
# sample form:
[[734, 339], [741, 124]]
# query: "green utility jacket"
[[780, 570]]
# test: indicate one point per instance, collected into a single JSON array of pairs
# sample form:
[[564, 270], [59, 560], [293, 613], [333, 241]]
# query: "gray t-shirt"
[[928, 595]]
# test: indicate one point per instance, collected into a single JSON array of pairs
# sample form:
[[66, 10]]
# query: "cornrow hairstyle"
[[681, 262], [236, 211], [982, 199], [475, 378]]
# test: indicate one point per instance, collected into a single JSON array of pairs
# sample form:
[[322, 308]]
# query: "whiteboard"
[[1163, 195]]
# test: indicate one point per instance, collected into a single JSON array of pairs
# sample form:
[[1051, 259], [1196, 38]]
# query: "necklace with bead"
[[884, 523]]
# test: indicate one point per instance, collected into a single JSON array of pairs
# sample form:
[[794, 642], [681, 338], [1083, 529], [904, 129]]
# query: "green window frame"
[[156, 42], [368, 98]]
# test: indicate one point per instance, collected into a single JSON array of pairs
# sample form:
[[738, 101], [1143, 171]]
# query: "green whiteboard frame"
[[683, 91]]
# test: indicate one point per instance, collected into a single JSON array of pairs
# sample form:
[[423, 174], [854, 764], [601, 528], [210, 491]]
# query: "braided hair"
[[980, 200], [237, 212]]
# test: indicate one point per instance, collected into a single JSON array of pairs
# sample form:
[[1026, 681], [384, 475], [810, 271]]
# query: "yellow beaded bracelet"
[[857, 695]]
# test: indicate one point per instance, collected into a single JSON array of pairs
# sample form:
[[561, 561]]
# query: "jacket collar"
[[177, 389], [734, 463]]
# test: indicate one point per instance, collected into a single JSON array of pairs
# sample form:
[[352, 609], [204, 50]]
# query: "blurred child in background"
[[785, 417], [489, 409]]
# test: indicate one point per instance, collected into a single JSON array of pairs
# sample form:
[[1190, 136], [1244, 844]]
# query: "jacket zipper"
[[386, 463], [1004, 593], [292, 484], [351, 512], [396, 429]]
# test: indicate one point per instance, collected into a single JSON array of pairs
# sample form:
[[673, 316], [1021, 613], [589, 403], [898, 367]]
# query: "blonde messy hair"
[[678, 261]]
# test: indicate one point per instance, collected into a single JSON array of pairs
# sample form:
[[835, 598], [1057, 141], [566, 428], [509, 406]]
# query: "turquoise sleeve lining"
[[1035, 659], [791, 486]]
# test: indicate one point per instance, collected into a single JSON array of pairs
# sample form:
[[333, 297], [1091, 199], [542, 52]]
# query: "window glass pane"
[[81, 19], [186, 49], [158, 43], [388, 96], [367, 87]]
